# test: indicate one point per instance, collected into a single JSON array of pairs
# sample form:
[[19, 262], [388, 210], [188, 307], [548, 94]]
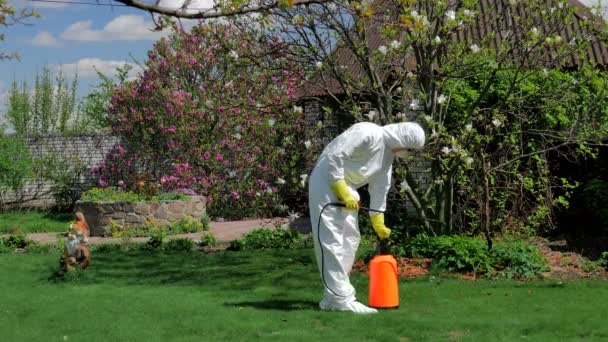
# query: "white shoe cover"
[[354, 306]]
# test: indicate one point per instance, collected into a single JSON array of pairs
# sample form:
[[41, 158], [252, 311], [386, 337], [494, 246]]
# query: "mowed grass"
[[26, 221], [272, 296]]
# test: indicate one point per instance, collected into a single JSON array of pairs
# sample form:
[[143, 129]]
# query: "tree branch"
[[214, 12]]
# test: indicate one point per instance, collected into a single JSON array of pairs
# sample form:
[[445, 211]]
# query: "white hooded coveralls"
[[362, 155]]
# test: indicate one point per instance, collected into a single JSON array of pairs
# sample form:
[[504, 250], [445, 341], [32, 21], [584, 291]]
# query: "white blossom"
[[271, 122], [234, 54], [238, 136], [371, 115], [534, 31], [438, 181], [303, 179], [280, 181], [437, 40], [228, 84], [282, 207], [319, 65], [468, 127], [441, 99], [400, 116], [281, 151], [446, 150], [293, 216], [475, 48], [232, 174], [399, 89], [451, 15], [258, 194], [497, 122], [456, 149], [298, 110], [307, 144], [269, 190], [383, 50], [415, 104], [558, 39], [209, 103], [468, 13], [319, 124], [238, 128], [404, 186], [468, 160], [395, 44], [427, 118]]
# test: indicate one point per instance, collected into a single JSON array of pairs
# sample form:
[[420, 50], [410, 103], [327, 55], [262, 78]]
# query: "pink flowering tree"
[[211, 113]]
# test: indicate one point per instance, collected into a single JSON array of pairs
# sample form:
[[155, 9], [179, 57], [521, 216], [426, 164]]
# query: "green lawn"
[[34, 221], [272, 295]]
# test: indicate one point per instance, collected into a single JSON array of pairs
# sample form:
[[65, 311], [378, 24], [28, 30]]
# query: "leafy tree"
[[93, 114], [211, 113], [494, 105], [49, 107]]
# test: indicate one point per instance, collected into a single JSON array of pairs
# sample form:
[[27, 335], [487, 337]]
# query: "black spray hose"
[[382, 245]]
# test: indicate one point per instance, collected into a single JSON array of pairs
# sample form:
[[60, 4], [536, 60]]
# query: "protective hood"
[[405, 134]]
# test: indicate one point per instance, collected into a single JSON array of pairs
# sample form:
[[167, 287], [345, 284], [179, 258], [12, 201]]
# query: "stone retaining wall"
[[100, 215]]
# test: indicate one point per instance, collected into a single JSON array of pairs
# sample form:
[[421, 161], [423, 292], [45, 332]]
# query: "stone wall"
[[100, 215], [83, 151]]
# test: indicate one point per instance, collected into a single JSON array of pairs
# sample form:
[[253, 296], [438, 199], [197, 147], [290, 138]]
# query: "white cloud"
[[45, 38], [87, 68], [123, 27]]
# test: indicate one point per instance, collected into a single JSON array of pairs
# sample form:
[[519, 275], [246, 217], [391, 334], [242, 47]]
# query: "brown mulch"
[[563, 265]]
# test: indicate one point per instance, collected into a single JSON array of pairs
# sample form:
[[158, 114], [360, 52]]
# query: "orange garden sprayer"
[[383, 275]]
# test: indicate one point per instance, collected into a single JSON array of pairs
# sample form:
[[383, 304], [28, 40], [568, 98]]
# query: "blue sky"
[[77, 38]]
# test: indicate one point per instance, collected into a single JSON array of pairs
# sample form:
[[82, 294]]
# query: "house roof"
[[597, 52]]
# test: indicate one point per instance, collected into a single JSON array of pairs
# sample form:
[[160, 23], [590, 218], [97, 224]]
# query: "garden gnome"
[[76, 252], [362, 155]]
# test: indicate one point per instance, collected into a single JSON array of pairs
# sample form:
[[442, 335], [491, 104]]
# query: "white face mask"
[[402, 154]]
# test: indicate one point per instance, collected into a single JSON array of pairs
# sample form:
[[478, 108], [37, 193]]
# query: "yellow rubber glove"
[[379, 227], [343, 192]]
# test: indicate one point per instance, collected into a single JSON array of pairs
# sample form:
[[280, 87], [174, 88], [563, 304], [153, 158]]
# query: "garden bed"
[[101, 215]]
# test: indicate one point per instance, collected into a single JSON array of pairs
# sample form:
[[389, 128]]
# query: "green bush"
[[207, 239], [603, 260], [116, 195], [187, 224], [178, 245], [270, 238], [461, 254], [15, 165], [508, 258], [517, 259], [157, 238]]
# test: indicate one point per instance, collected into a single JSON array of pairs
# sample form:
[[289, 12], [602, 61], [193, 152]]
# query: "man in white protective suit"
[[362, 155]]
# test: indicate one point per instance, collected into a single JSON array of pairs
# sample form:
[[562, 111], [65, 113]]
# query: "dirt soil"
[[563, 265]]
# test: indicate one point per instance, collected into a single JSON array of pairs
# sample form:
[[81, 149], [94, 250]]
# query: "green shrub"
[[270, 238], [517, 259], [603, 260], [178, 245], [207, 239], [116, 195], [157, 238], [187, 224], [461, 254], [15, 165]]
